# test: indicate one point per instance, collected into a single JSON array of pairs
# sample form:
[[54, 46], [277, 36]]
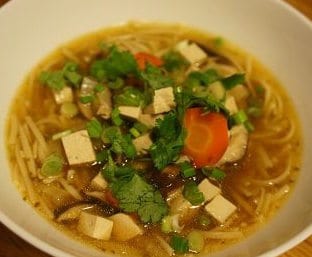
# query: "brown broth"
[[35, 100]]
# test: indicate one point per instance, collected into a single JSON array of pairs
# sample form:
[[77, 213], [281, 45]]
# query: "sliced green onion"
[[69, 110], [192, 193], [118, 83], [134, 132], [61, 134], [102, 156], [52, 165], [218, 42], [179, 244], [240, 117], [254, 111], [214, 173], [116, 117], [130, 96], [249, 126], [99, 88], [187, 169], [166, 224], [94, 128], [233, 80], [217, 174], [204, 220], [87, 99], [142, 128], [196, 241], [259, 89], [109, 132]]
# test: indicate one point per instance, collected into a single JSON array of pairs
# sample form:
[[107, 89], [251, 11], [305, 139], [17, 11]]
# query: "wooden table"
[[13, 246]]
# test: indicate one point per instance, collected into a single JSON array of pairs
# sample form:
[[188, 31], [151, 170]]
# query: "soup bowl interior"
[[272, 31]]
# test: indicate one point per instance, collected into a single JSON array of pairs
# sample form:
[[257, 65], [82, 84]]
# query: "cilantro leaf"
[[197, 78], [153, 209], [174, 61], [70, 71], [185, 99], [119, 143], [129, 96], [53, 79], [233, 80], [116, 174], [154, 77], [169, 140], [116, 64], [143, 199], [57, 80], [94, 128]]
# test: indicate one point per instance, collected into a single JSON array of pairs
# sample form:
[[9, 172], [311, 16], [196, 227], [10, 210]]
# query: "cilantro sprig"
[[169, 140], [116, 64], [58, 79], [134, 194]]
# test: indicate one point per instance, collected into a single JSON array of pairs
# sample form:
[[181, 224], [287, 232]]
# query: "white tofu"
[[98, 182], [124, 227], [148, 120], [208, 189], [65, 95], [130, 111], [163, 100], [193, 53], [142, 143], [78, 148], [217, 90], [231, 105], [95, 226], [220, 208]]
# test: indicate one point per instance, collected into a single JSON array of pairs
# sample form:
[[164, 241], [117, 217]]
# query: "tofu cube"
[[95, 226], [163, 100], [65, 95], [124, 227], [98, 182], [78, 148], [220, 208], [193, 53], [142, 143], [147, 119], [231, 105], [130, 111], [208, 189]]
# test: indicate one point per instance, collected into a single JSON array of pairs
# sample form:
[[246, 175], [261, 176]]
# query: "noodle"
[[277, 180], [13, 129], [27, 181], [230, 235], [70, 189], [38, 135]]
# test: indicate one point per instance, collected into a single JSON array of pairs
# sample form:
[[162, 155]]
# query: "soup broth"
[[140, 164]]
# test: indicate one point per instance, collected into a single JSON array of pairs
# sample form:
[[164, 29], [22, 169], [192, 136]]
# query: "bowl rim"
[[54, 251]]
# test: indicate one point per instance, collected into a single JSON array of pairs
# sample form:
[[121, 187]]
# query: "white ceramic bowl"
[[275, 33]]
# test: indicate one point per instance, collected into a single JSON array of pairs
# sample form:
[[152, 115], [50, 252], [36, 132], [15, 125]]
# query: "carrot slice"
[[112, 200], [144, 58], [207, 136]]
